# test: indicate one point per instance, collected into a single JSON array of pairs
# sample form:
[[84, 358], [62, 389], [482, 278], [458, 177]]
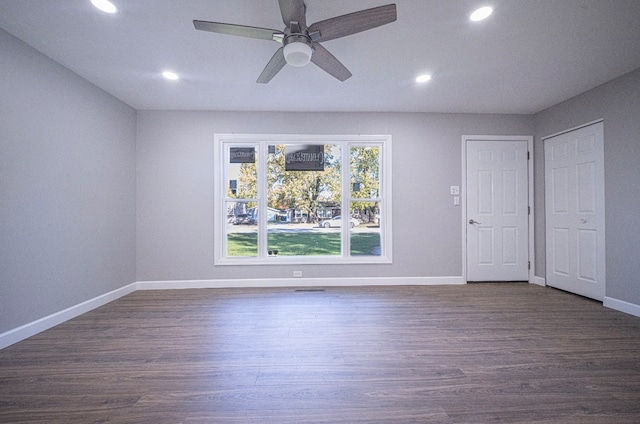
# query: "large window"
[[302, 199]]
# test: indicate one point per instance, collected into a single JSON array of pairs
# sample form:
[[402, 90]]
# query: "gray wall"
[[67, 187], [618, 103], [175, 174]]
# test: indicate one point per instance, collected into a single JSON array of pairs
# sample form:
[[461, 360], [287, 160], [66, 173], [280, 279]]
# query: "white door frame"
[[463, 199]]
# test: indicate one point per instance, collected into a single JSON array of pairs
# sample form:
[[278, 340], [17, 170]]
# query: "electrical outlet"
[[297, 274]]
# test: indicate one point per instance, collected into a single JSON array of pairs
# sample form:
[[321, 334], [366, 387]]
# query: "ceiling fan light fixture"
[[297, 53]]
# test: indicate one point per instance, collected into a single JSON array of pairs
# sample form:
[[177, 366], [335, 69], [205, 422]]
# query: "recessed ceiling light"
[[170, 75], [423, 78], [482, 13], [105, 6]]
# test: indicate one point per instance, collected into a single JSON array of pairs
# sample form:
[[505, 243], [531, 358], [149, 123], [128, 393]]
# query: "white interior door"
[[574, 199], [497, 184]]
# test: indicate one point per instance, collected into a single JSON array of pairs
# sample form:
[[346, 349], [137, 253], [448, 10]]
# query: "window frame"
[[261, 143]]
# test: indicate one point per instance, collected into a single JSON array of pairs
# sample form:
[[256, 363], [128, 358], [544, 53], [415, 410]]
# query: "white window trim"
[[263, 140]]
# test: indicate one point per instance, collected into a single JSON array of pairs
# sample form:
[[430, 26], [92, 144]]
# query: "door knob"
[[471, 221]]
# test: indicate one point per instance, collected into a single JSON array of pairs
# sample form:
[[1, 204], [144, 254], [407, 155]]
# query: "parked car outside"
[[241, 219], [336, 222]]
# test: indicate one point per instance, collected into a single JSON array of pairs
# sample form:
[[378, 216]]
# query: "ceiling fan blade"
[[328, 62], [240, 30], [293, 10], [274, 66], [352, 23]]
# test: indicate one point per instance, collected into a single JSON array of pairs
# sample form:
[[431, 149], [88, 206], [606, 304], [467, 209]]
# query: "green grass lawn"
[[301, 244]]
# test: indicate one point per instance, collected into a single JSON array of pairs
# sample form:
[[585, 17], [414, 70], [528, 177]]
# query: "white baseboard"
[[539, 281], [298, 282], [31, 329], [622, 306]]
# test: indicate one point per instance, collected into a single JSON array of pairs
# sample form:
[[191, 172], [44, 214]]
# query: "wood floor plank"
[[510, 353]]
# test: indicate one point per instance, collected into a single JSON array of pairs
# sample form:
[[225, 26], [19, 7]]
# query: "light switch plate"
[[455, 190]]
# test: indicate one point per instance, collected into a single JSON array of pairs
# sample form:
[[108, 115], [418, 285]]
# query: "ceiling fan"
[[301, 43]]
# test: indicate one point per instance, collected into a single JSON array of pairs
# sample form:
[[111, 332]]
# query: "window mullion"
[[345, 206], [262, 199]]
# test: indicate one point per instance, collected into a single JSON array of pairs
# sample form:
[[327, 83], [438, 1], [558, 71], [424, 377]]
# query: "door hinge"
[[528, 156], [529, 265], [529, 210]]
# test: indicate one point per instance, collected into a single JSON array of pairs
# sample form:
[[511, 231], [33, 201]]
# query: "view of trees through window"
[[314, 206]]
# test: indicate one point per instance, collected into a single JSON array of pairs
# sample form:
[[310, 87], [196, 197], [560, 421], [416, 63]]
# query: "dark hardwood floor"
[[481, 353]]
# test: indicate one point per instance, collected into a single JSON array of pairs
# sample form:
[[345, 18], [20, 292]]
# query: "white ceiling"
[[529, 55]]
